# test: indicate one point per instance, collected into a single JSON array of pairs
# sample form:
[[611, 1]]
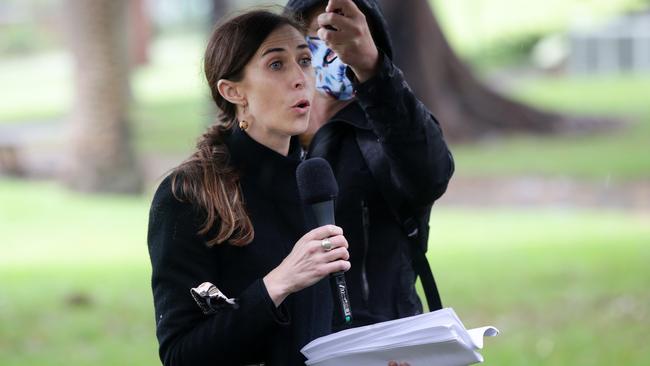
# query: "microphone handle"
[[341, 289], [324, 215]]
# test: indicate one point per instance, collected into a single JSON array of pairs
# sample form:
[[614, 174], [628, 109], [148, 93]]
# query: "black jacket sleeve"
[[420, 162], [180, 260]]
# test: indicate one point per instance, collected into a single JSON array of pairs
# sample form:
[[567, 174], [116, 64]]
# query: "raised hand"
[[345, 30]]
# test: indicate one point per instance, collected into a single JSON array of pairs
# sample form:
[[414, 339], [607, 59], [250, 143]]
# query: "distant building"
[[622, 45]]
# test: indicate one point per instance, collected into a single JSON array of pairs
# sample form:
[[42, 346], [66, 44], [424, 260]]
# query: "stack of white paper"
[[437, 338]]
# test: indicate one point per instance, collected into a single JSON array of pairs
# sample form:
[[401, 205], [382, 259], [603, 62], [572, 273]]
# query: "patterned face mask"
[[330, 71]]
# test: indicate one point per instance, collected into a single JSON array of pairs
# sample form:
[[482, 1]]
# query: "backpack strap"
[[416, 231]]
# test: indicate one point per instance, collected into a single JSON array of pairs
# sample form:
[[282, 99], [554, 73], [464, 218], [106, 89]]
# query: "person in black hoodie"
[[235, 279], [387, 152]]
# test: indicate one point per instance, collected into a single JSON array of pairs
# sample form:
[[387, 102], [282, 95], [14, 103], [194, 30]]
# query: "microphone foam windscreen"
[[316, 182]]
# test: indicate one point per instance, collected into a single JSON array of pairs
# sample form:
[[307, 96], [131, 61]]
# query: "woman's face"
[[278, 86]]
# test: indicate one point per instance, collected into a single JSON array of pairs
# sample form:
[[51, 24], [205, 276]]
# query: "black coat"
[[257, 331], [404, 156]]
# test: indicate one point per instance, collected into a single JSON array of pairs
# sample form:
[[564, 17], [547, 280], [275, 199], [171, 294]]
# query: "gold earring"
[[243, 124]]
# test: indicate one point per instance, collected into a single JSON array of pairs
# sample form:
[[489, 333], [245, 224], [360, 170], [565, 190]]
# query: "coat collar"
[[268, 171], [354, 115]]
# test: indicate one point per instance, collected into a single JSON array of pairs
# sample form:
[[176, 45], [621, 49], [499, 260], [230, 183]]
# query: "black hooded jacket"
[[386, 150]]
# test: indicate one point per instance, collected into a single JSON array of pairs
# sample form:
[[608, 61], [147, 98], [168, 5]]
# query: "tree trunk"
[[101, 158], [468, 108]]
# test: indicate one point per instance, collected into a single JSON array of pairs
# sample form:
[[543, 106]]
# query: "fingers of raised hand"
[[336, 29], [347, 7], [327, 19], [325, 35], [338, 21]]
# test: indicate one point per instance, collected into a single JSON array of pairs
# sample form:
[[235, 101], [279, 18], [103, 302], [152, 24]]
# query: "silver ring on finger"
[[326, 244]]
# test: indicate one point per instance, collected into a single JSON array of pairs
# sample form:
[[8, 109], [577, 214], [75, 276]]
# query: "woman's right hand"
[[308, 263]]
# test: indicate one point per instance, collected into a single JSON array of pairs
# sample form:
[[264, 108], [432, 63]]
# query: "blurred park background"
[[544, 231]]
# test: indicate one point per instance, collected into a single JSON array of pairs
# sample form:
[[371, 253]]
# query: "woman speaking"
[[235, 279]]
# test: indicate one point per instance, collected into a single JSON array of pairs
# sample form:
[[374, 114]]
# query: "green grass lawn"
[[74, 284], [565, 287]]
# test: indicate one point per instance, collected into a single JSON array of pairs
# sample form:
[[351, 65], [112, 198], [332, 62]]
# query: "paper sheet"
[[436, 338]]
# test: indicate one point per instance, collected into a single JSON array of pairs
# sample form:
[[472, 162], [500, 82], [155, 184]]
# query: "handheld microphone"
[[318, 190]]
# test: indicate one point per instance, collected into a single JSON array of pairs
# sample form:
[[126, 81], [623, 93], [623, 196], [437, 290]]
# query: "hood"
[[370, 8]]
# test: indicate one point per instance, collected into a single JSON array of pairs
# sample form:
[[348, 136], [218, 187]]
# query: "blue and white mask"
[[330, 71]]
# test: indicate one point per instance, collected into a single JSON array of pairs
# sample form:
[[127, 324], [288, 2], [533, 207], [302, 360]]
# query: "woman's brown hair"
[[207, 179]]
